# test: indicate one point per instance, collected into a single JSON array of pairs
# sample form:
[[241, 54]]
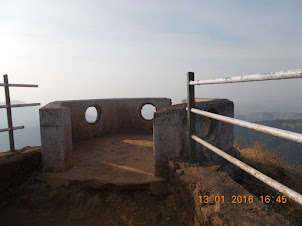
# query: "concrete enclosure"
[[170, 134], [63, 122]]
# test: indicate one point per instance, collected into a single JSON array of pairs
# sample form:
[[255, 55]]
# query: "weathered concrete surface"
[[190, 182], [64, 122], [115, 115], [116, 161], [171, 139], [56, 138]]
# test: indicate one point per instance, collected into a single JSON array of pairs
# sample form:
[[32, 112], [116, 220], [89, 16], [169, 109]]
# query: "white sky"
[[104, 49]]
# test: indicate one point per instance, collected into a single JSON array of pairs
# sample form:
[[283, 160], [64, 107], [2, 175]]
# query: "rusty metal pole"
[[9, 114], [191, 117]]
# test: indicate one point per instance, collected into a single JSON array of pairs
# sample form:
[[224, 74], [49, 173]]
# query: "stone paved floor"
[[120, 159]]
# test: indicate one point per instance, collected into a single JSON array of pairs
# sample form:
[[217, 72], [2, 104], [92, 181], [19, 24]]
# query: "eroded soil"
[[35, 203]]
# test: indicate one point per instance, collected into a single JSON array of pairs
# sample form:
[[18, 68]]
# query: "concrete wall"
[[171, 138], [63, 122]]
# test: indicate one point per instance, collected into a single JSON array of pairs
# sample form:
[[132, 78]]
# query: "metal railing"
[[191, 111], [9, 106]]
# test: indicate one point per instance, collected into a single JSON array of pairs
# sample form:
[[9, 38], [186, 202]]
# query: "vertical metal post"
[[191, 116], [9, 114]]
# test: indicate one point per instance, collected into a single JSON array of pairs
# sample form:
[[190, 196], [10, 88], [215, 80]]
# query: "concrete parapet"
[[63, 122], [170, 133], [114, 115], [56, 138]]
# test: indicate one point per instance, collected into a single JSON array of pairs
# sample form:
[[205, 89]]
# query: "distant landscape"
[[27, 117], [290, 151], [268, 116]]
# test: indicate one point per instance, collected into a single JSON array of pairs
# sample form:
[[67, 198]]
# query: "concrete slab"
[[117, 160]]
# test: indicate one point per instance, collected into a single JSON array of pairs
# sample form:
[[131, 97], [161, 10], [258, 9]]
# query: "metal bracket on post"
[[9, 114], [191, 117]]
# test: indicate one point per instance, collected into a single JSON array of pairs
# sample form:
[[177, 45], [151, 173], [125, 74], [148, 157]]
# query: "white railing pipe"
[[265, 179], [255, 77], [297, 137]]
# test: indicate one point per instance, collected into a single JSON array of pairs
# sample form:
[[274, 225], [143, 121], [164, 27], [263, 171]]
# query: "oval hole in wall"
[[91, 115], [147, 111]]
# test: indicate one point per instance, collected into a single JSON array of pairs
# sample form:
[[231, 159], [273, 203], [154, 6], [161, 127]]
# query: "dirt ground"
[[39, 202], [35, 203], [109, 184]]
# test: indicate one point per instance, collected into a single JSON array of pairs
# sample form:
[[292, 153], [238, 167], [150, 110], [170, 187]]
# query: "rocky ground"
[[35, 203]]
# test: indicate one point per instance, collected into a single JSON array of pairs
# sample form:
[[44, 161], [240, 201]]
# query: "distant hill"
[[27, 116], [24, 116], [268, 116], [290, 151]]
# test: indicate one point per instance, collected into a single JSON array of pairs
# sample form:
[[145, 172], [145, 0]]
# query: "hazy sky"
[[104, 49]]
